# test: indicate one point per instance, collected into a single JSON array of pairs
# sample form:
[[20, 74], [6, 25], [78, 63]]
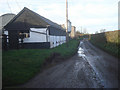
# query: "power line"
[[9, 6], [18, 4]]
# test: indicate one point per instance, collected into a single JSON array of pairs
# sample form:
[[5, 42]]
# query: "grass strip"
[[19, 66]]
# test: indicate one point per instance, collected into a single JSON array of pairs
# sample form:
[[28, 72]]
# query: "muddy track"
[[89, 68]]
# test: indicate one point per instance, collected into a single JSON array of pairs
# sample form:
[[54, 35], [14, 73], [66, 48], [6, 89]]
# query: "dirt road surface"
[[89, 68]]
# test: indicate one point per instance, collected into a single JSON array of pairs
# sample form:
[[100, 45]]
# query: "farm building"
[[4, 20], [69, 26], [73, 30], [31, 30]]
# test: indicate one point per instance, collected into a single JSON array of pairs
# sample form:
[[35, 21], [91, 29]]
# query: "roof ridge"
[[48, 21]]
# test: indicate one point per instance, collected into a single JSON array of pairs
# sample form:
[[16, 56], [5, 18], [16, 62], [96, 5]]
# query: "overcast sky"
[[90, 14]]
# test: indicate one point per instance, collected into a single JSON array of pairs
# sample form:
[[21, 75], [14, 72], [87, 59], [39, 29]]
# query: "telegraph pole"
[[66, 21]]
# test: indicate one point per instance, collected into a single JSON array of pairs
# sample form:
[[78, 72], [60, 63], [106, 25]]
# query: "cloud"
[[91, 14], [53, 12], [95, 13]]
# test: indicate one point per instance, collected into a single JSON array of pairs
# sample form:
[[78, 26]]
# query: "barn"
[[33, 31]]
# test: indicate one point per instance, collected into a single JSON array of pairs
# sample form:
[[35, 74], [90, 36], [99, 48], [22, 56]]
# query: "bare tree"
[[102, 30], [96, 32], [85, 31]]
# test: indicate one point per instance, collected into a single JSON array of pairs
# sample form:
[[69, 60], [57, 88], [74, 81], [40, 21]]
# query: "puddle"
[[81, 43], [81, 52], [77, 66]]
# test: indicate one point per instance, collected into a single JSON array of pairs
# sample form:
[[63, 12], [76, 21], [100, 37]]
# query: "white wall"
[[36, 36], [6, 32], [59, 39], [51, 40]]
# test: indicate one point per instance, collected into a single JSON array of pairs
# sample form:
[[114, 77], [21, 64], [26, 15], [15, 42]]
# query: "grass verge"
[[110, 48], [108, 41], [19, 66]]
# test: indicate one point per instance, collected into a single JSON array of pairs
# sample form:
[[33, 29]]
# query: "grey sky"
[[90, 14]]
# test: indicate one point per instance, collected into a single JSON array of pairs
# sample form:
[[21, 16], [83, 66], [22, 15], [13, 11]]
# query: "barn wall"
[[73, 30], [56, 32], [6, 32], [35, 37], [56, 40], [36, 45]]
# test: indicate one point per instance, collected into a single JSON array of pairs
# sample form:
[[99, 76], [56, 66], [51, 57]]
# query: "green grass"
[[19, 66], [67, 52]]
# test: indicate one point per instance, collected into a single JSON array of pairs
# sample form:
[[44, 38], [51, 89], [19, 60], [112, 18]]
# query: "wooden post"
[[66, 21]]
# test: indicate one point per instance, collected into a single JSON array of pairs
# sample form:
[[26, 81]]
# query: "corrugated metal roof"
[[8, 14]]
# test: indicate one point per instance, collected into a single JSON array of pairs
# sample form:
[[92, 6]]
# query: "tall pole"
[[81, 29], [66, 20]]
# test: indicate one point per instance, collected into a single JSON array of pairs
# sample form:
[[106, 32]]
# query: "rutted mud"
[[89, 68]]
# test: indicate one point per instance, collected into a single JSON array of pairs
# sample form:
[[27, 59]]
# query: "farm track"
[[89, 68]]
